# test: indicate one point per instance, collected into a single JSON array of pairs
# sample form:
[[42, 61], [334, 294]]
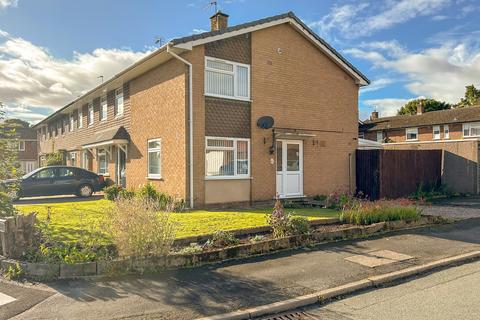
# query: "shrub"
[[149, 193], [54, 159], [126, 194], [111, 193], [14, 273], [337, 200], [299, 225], [191, 249], [222, 239], [365, 212], [257, 238], [6, 206], [279, 220], [137, 229]]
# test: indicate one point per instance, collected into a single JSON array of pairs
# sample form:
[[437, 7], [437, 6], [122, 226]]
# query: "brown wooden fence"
[[397, 173]]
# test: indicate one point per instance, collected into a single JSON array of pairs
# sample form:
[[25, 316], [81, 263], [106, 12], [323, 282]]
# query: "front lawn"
[[75, 220]]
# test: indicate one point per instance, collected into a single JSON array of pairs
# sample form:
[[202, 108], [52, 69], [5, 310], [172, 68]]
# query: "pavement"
[[447, 294], [225, 287]]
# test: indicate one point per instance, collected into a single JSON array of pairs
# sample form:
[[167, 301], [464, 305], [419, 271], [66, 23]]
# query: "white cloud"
[[8, 3], [197, 31], [32, 81], [385, 107], [377, 84], [362, 19], [441, 72]]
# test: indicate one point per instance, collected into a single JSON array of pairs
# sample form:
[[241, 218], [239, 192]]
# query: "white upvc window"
[[102, 161], [436, 133], [85, 159], [72, 122], [80, 118], [446, 131], [411, 134], [21, 145], [471, 129], [227, 158], [103, 108], [155, 159], [227, 79], [380, 136], [119, 102], [90, 118]]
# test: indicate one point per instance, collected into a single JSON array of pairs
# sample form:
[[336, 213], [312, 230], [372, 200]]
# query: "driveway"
[[56, 199], [456, 208]]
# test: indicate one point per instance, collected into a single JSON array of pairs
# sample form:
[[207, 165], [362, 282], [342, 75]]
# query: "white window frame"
[[235, 76], [85, 160], [21, 145], [90, 114], [468, 127], [235, 155], [72, 122], [118, 94], [101, 153], [80, 118], [437, 136], [103, 109], [380, 136], [446, 131], [73, 156], [411, 130], [149, 150]]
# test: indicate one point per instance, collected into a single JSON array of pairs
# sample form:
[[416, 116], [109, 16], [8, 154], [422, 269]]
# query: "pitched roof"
[[260, 22], [459, 115], [184, 42]]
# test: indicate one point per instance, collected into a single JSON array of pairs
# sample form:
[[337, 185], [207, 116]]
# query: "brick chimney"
[[420, 108], [219, 21], [374, 115]]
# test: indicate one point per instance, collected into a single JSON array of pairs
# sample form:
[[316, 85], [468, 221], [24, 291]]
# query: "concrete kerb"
[[328, 294]]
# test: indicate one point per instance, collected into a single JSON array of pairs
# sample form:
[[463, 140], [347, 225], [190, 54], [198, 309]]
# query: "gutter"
[[190, 118]]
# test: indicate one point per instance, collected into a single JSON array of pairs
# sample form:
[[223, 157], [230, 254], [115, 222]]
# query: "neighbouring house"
[[25, 143], [237, 114], [455, 131]]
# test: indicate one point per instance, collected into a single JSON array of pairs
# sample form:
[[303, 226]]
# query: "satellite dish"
[[265, 122]]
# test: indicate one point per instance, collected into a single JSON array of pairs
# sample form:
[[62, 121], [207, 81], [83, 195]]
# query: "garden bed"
[[320, 233]]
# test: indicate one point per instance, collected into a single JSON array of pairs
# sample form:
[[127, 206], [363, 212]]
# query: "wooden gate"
[[397, 173]]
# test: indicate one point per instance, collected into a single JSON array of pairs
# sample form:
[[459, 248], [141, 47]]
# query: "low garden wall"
[[42, 271]]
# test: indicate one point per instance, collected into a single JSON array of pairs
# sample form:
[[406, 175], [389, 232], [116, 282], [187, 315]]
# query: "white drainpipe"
[[190, 116]]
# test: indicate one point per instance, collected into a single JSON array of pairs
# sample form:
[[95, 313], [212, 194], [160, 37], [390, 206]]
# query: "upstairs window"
[[103, 108], [226, 79], [119, 102], [21, 145], [446, 131], [471, 129], [379, 136], [436, 132], [90, 117], [412, 134], [72, 122], [227, 158], [80, 118]]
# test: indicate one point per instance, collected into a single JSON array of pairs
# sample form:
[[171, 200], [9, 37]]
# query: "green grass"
[[74, 220]]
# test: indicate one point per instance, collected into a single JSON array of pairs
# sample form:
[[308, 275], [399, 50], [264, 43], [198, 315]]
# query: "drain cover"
[[297, 315]]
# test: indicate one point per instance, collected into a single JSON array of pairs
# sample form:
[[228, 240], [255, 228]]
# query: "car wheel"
[[85, 191]]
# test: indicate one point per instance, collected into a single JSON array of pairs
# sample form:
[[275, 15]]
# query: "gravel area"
[[454, 212]]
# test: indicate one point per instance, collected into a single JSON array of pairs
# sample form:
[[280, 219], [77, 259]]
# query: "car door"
[[67, 181], [40, 183]]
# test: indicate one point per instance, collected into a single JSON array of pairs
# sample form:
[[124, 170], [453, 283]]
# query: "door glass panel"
[[279, 155], [65, 172], [293, 157], [45, 174]]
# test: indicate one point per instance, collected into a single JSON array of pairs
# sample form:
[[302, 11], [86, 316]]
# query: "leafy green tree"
[[472, 97], [17, 123], [54, 159], [429, 104]]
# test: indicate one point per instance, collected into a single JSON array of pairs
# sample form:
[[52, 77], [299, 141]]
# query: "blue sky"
[[51, 51]]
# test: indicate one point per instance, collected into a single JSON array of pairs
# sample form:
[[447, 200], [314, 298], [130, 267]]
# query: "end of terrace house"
[[235, 115]]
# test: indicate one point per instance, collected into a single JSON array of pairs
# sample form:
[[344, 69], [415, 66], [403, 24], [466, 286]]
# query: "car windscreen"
[[31, 173]]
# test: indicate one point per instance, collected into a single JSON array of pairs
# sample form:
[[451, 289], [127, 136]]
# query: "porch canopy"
[[106, 139]]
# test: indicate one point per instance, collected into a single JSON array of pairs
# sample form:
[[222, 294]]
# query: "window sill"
[[411, 140], [154, 178], [227, 178], [228, 97], [119, 116]]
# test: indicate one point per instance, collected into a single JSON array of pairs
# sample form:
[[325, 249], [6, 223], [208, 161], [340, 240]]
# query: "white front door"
[[289, 168]]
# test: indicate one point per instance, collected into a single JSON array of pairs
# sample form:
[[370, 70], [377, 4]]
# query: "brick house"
[[455, 131], [25, 143], [185, 117]]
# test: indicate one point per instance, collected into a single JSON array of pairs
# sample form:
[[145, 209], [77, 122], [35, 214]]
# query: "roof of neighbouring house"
[[458, 115], [188, 41]]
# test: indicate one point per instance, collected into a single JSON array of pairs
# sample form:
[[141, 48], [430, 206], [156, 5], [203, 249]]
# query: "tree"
[[429, 104], [8, 148], [472, 97], [17, 123]]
